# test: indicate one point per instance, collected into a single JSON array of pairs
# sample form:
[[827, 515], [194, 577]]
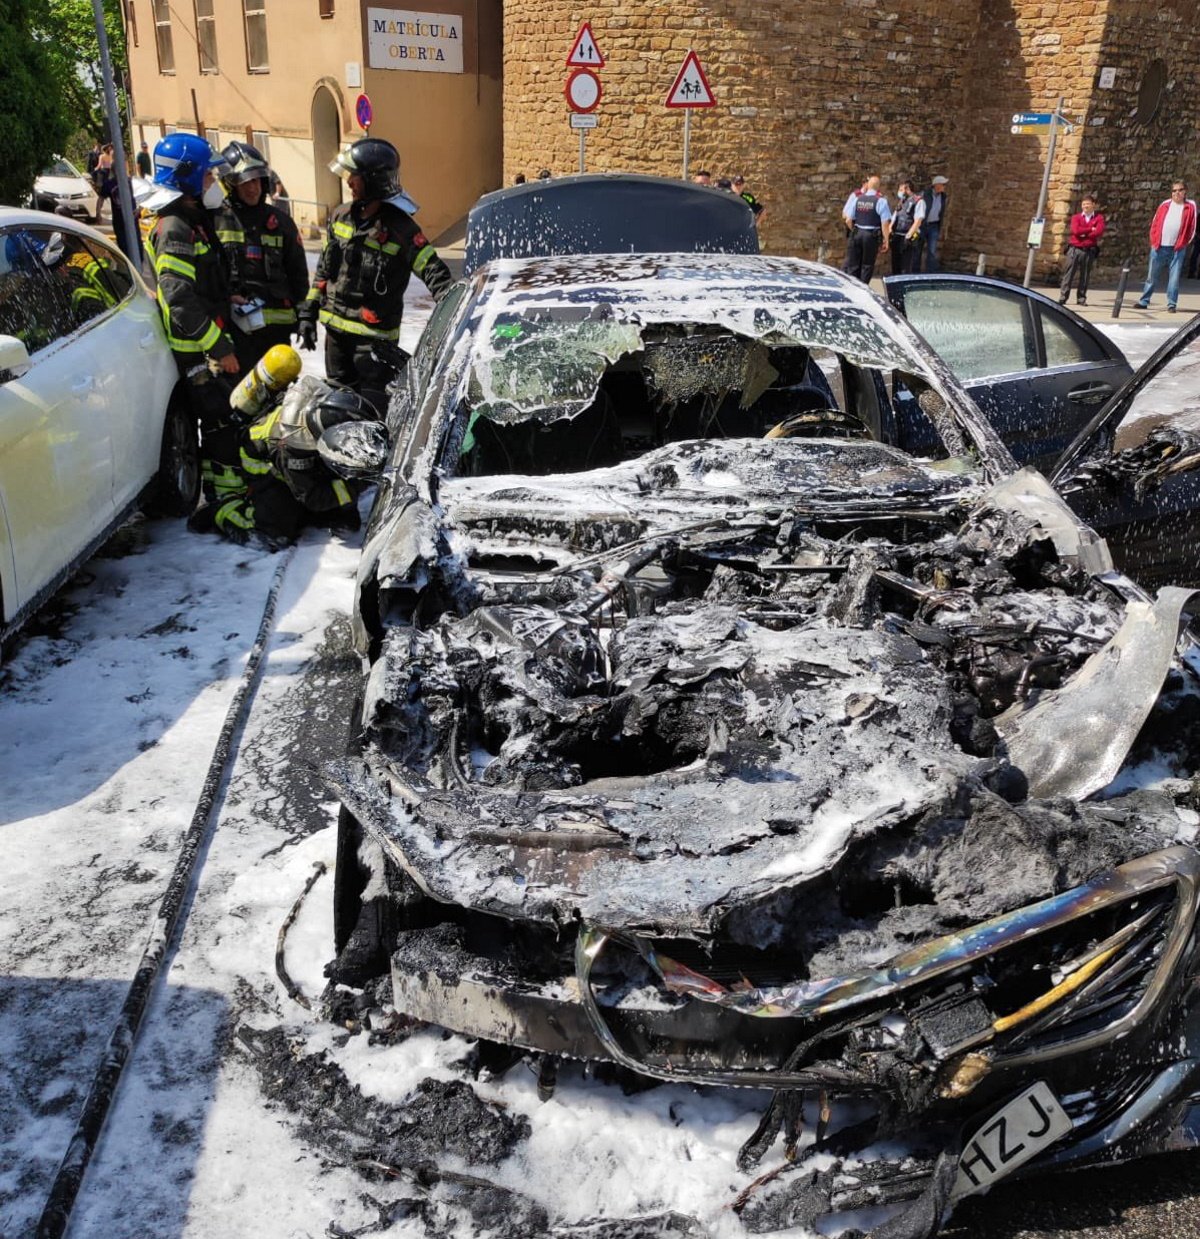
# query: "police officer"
[[193, 294], [268, 272], [906, 227], [869, 221], [372, 246]]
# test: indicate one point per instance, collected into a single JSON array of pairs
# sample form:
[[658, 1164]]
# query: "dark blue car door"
[[1038, 371]]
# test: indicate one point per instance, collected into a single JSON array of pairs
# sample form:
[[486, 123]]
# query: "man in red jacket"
[[1086, 230], [1171, 232]]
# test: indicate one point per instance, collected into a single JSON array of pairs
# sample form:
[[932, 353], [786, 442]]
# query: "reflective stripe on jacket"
[[365, 267], [193, 292], [264, 257]]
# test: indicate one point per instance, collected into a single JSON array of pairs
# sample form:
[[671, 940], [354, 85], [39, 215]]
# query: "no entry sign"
[[582, 91]]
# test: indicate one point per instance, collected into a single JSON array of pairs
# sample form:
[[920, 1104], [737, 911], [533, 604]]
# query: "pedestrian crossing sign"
[[584, 52], [691, 88]]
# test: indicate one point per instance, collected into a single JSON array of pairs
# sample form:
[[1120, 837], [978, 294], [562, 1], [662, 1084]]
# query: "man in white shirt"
[[1171, 232]]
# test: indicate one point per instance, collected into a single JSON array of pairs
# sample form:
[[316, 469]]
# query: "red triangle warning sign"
[[584, 51], [691, 89]]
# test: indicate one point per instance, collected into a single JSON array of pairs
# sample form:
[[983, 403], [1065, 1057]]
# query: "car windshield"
[[585, 378], [62, 167]]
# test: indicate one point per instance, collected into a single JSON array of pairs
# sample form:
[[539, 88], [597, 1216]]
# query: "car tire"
[[176, 486]]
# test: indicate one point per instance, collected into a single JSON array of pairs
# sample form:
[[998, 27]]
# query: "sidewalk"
[[1102, 294]]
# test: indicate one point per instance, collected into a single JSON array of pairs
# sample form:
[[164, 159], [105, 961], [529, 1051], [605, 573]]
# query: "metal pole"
[[1125, 268], [131, 242], [582, 150], [1041, 206], [687, 139]]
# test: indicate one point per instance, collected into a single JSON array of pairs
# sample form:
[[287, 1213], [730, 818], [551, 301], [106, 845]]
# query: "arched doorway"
[[327, 138]]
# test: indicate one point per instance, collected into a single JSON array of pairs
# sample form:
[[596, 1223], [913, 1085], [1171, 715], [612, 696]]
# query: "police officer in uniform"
[[268, 272], [869, 220], [372, 246], [193, 293]]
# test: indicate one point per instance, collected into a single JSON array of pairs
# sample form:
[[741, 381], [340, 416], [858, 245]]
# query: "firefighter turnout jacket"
[[365, 267], [193, 289], [264, 257]]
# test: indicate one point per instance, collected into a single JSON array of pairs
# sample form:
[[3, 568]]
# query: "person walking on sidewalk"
[[1087, 227], [1171, 232]]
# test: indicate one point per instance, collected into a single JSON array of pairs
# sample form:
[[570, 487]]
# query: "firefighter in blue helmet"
[[372, 247], [193, 294]]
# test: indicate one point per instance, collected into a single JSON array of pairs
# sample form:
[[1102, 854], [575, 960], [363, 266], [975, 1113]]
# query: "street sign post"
[[690, 90], [1031, 120], [364, 113], [583, 94], [585, 53]]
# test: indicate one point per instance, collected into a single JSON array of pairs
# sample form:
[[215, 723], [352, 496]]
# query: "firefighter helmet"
[[244, 162], [376, 161], [180, 162], [341, 405]]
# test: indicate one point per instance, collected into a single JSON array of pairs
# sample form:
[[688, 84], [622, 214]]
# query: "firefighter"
[[287, 486], [193, 294], [268, 272], [372, 246]]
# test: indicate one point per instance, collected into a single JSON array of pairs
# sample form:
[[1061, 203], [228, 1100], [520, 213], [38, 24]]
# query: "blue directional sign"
[[1032, 118]]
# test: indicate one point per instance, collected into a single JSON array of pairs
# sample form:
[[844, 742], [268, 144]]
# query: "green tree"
[[32, 117], [69, 30]]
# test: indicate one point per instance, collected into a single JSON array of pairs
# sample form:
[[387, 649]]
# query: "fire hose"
[[163, 939]]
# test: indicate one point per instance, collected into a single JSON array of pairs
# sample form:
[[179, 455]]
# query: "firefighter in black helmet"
[[268, 272], [371, 248]]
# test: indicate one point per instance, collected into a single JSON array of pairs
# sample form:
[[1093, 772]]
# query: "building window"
[[324, 8], [162, 35], [213, 138], [256, 35], [206, 36], [260, 139], [131, 33]]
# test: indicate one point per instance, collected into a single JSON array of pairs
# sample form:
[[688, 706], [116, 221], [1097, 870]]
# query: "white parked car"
[[93, 420], [63, 185]]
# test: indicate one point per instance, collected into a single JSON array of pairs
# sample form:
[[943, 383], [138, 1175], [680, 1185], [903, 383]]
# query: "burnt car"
[[738, 712]]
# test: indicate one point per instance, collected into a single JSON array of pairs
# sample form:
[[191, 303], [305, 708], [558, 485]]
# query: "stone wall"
[[812, 97]]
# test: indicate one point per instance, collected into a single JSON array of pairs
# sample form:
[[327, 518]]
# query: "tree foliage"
[[69, 30], [33, 119]]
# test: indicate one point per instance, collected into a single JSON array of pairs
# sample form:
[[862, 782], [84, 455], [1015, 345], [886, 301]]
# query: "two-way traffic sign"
[[585, 54]]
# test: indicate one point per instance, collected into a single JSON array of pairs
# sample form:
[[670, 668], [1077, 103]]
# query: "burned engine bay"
[[788, 762]]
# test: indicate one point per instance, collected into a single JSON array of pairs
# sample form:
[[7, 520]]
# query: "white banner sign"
[[406, 39]]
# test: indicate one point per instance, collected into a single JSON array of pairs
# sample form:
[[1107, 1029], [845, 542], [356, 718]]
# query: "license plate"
[[1026, 1126]]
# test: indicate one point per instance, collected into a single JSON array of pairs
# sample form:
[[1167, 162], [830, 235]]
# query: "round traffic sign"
[[582, 91], [364, 112]]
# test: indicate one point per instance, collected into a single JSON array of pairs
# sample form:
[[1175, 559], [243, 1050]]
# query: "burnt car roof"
[[607, 212]]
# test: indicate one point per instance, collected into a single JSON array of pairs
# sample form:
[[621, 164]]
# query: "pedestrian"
[[1087, 227], [868, 220], [1171, 232], [372, 247], [933, 227], [906, 227], [264, 256], [145, 168], [723, 182], [519, 179], [106, 178], [756, 208], [93, 160], [703, 177], [544, 174], [283, 200], [193, 295]]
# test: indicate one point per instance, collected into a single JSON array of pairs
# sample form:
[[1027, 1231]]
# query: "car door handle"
[[1091, 393], [147, 341], [84, 384]]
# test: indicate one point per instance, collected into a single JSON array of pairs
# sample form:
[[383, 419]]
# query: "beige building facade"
[[286, 74]]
